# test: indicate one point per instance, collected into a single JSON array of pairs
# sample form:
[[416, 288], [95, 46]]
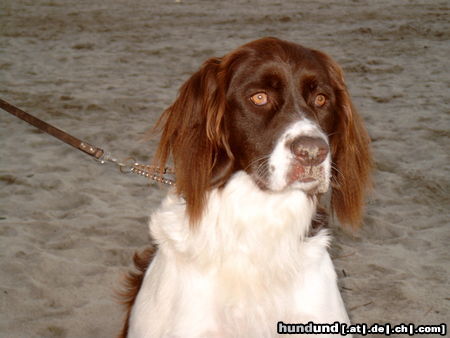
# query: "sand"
[[105, 70]]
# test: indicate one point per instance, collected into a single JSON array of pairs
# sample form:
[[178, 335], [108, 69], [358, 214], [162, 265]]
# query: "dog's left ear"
[[194, 135], [352, 160]]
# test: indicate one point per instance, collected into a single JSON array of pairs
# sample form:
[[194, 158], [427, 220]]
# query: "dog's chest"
[[239, 299], [247, 266]]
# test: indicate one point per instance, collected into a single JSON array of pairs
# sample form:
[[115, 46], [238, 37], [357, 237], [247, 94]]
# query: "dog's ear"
[[194, 135], [352, 161]]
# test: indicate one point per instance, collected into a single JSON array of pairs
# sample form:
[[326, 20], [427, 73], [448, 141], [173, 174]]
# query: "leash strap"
[[166, 176], [49, 129]]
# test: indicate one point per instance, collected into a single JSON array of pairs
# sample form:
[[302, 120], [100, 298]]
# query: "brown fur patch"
[[132, 283]]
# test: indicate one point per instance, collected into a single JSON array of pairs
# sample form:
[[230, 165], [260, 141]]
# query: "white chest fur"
[[247, 265]]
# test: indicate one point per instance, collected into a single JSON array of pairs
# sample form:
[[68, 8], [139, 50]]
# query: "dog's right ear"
[[193, 134]]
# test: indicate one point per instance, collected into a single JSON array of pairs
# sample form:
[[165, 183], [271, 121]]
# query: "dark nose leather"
[[309, 151]]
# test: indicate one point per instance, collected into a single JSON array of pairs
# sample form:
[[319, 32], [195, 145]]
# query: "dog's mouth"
[[311, 179]]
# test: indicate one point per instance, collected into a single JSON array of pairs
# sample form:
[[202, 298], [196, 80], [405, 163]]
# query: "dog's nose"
[[309, 151]]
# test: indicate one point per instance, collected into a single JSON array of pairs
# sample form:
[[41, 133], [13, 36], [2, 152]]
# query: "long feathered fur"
[[192, 134], [350, 146]]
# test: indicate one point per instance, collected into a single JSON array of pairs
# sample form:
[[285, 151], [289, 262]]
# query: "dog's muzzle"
[[309, 153]]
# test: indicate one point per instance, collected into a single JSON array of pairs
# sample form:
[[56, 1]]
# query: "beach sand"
[[105, 70]]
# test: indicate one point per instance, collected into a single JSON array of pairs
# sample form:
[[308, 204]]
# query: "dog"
[[257, 138]]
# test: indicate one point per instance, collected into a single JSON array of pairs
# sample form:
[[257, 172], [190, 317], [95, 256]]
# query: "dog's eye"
[[320, 100], [260, 99]]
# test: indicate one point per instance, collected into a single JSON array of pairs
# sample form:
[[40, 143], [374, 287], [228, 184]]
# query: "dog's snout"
[[309, 151]]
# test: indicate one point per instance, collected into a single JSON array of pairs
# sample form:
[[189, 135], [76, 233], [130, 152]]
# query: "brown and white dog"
[[256, 138]]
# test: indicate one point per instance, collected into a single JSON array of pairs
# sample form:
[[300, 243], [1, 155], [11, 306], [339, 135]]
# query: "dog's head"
[[277, 110]]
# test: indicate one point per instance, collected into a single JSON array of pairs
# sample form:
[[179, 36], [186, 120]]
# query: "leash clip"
[[130, 166], [125, 167]]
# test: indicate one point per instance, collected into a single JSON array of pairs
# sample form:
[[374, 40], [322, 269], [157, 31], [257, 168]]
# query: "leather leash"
[[49, 129], [165, 176]]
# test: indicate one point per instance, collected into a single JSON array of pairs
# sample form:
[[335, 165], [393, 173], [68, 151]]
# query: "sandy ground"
[[105, 70]]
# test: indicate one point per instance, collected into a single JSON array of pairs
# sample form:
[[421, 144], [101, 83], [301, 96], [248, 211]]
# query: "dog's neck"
[[239, 220]]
